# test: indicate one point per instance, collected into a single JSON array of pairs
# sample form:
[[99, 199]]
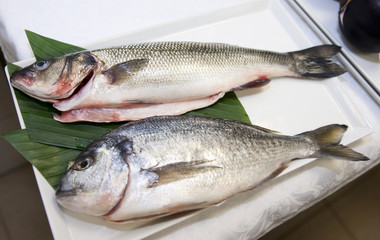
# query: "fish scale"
[[184, 52]]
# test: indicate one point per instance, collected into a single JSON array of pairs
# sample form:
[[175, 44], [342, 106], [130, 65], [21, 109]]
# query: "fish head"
[[94, 183], [57, 78]]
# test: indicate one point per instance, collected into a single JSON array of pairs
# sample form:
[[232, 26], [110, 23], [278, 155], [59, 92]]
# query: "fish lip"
[[65, 193]]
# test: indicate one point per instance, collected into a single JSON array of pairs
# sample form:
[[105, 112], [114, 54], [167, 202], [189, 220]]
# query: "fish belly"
[[187, 194], [135, 111]]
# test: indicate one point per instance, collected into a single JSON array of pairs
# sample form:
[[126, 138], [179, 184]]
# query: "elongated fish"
[[161, 78], [168, 164]]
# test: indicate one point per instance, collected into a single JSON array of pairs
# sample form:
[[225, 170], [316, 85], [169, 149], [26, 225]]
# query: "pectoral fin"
[[125, 70], [177, 171]]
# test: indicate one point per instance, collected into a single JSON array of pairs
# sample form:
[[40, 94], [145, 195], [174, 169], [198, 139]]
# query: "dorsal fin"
[[264, 129]]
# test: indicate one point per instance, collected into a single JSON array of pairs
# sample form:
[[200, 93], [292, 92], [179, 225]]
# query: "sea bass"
[[161, 78], [168, 164]]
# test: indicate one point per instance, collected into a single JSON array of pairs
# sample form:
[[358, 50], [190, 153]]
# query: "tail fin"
[[315, 62], [328, 139]]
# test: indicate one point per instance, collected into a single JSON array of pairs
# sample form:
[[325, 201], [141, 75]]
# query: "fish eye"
[[41, 65], [92, 59], [83, 164]]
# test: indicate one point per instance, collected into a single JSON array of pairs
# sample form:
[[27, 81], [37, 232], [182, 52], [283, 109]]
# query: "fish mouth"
[[24, 80], [82, 84], [24, 89], [65, 193], [80, 92], [88, 73]]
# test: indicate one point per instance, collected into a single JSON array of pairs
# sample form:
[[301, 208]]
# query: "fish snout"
[[69, 198], [23, 77], [86, 201]]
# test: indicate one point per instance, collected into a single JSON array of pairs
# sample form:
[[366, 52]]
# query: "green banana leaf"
[[50, 161], [44, 48], [57, 142], [43, 128]]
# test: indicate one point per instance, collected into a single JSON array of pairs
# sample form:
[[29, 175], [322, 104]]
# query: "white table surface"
[[87, 22]]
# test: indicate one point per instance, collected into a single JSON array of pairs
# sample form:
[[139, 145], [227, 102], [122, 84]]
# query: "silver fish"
[[164, 165], [126, 83]]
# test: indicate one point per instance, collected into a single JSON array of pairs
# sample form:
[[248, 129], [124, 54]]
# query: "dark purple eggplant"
[[359, 21]]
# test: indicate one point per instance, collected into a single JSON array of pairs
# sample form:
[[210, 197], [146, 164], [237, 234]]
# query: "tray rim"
[[40, 180], [355, 68]]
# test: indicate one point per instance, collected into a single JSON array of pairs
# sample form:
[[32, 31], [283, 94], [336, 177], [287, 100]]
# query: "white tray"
[[287, 105], [323, 14]]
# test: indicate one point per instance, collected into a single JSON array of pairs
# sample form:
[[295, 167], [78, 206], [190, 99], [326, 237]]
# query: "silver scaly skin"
[[175, 77], [176, 71], [164, 165]]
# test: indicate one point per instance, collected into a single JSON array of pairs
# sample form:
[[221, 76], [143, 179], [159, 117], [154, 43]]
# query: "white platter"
[[287, 105], [324, 15]]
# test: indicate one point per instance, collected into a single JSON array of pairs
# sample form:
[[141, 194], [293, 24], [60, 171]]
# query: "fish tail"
[[316, 62], [328, 139]]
